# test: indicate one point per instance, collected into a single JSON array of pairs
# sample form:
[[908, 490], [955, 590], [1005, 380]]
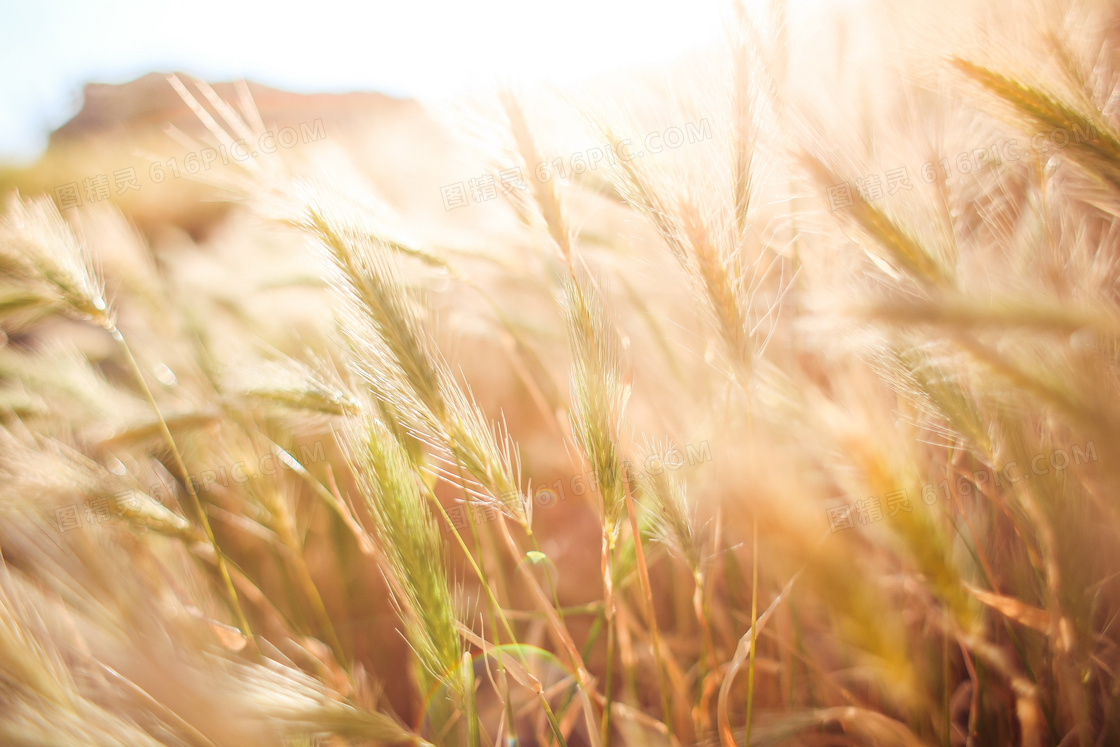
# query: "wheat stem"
[[184, 474]]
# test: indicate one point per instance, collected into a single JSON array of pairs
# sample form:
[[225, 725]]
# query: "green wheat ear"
[[396, 356], [411, 544]]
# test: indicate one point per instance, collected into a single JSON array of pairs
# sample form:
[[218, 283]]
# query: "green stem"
[[503, 681], [553, 723], [612, 623]]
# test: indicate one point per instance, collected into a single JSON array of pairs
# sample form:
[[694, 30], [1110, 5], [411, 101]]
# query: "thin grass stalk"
[[608, 566], [223, 570], [466, 667], [583, 676], [330, 498], [508, 718], [742, 653], [754, 625], [285, 528], [651, 612]]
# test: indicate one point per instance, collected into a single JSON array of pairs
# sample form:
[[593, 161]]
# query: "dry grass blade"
[[742, 653], [1032, 617]]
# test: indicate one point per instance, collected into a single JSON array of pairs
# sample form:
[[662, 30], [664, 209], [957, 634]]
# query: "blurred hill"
[[140, 146], [151, 103]]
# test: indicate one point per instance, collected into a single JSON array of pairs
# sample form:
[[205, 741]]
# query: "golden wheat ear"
[[885, 240], [546, 194], [1093, 144], [40, 249]]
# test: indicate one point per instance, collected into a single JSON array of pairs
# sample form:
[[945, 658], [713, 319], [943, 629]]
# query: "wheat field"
[[765, 400]]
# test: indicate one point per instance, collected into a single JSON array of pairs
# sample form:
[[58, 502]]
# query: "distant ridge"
[[150, 102]]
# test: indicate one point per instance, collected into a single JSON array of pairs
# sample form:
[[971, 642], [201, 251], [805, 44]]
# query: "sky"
[[49, 50]]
